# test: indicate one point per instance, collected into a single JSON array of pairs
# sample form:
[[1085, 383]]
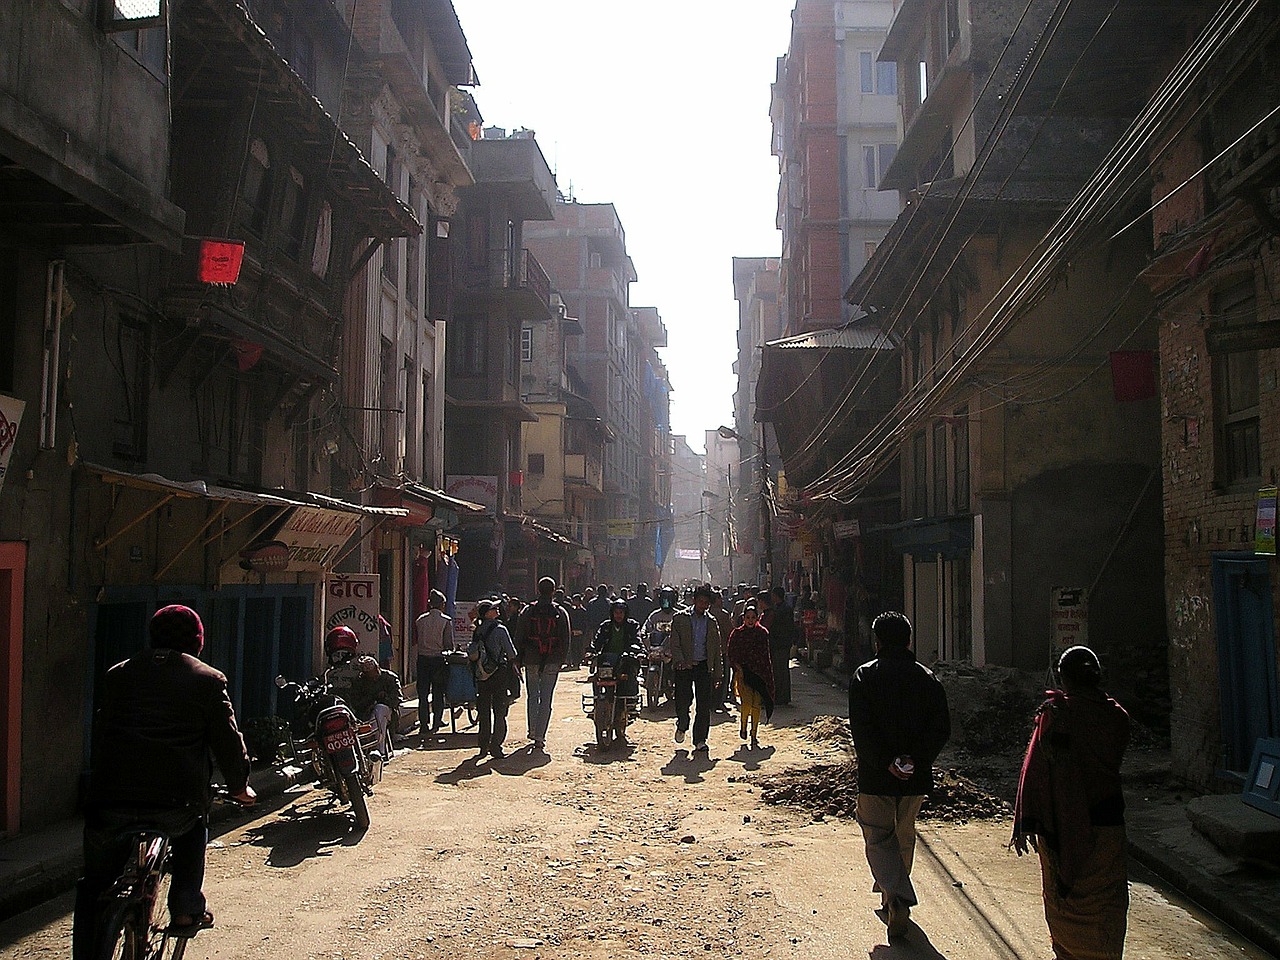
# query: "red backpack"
[[543, 621]]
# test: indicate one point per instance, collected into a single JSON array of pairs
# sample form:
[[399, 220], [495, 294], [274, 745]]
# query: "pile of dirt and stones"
[[831, 789]]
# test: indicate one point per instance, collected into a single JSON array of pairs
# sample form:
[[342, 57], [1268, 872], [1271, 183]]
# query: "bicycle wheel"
[[122, 935], [158, 929]]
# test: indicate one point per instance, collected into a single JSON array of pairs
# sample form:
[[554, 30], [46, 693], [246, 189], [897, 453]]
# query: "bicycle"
[[133, 914]]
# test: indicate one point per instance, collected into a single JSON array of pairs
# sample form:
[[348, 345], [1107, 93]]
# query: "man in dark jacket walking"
[[162, 714], [899, 719], [542, 641]]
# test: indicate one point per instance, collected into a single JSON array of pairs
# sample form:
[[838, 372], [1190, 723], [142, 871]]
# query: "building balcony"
[[610, 281], [583, 472], [516, 276]]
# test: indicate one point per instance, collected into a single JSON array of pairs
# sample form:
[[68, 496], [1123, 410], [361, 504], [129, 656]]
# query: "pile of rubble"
[[831, 789]]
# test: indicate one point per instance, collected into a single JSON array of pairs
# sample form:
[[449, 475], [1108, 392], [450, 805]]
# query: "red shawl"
[[1072, 763], [748, 650]]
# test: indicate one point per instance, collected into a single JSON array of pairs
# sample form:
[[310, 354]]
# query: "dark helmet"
[[176, 627], [618, 604], [667, 598], [341, 644]]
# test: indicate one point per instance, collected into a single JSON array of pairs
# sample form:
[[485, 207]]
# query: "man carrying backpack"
[[542, 639]]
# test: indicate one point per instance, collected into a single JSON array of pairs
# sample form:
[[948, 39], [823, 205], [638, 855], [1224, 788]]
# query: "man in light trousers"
[[899, 719], [542, 639]]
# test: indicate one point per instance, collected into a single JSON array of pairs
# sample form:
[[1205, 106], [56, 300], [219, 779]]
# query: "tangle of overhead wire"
[[879, 266], [1093, 205], [1021, 81]]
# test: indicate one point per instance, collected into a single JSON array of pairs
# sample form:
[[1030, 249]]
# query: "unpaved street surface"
[[644, 852]]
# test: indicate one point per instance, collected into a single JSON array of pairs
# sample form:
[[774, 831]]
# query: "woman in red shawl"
[[748, 654], [1070, 809]]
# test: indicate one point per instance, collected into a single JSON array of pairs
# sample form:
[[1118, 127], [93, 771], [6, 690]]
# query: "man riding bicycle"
[[161, 716]]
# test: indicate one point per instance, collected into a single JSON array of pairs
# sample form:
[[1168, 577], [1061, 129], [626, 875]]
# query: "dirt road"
[[642, 853]]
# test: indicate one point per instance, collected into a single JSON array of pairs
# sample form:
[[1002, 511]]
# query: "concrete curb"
[[1253, 919]]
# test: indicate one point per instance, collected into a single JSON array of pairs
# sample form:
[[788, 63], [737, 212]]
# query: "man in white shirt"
[[433, 632]]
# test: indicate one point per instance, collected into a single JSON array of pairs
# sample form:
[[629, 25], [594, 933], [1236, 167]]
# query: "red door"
[[13, 566]]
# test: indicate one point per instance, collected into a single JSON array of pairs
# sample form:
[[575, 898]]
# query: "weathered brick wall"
[[1202, 518]]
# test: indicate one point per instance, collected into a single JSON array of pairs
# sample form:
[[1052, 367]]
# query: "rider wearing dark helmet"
[[617, 635], [161, 716]]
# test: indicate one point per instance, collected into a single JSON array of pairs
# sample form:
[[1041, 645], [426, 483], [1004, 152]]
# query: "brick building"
[[1215, 274]]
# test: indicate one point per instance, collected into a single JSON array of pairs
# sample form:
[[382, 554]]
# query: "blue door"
[[1250, 707]]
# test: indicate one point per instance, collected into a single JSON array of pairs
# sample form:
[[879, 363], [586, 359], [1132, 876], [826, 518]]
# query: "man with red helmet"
[[162, 714]]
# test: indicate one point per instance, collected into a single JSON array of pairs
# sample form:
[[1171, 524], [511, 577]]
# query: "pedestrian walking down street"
[[723, 681], [493, 655], [782, 636], [695, 658], [748, 654], [899, 720], [577, 633], [598, 609], [433, 631], [542, 640], [1070, 810]]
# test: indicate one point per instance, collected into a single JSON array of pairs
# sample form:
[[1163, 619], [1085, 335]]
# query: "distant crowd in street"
[[722, 647]]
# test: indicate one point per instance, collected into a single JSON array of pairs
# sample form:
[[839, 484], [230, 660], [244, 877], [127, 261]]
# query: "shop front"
[[253, 564]]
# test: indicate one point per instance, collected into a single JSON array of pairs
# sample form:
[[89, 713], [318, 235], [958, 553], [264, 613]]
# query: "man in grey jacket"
[[695, 657]]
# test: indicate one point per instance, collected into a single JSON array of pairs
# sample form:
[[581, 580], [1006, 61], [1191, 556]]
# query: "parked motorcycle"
[[340, 750], [614, 697]]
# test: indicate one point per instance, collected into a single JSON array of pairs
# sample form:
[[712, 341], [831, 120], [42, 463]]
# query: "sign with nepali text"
[[314, 537], [351, 600], [10, 416], [1068, 617]]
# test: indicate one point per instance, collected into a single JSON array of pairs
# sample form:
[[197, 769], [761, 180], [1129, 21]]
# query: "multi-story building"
[[755, 287], [564, 449], [411, 121], [835, 131], [723, 461], [585, 253], [1028, 426], [502, 289], [686, 560], [179, 418], [1214, 274]]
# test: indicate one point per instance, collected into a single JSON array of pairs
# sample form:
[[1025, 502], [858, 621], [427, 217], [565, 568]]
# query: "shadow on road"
[[304, 831], [618, 753], [468, 769], [751, 759], [914, 945], [521, 762], [691, 766]]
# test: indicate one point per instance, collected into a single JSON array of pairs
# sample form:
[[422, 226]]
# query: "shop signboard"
[[477, 488], [10, 416], [1068, 617], [314, 536], [846, 529], [463, 623], [623, 528], [1264, 537], [351, 600]]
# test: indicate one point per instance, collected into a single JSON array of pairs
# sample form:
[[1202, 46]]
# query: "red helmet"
[[341, 638]]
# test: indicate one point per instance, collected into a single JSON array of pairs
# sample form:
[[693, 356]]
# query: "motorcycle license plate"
[[605, 671], [340, 740]]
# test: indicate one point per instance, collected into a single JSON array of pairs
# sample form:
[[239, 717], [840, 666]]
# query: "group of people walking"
[[720, 648]]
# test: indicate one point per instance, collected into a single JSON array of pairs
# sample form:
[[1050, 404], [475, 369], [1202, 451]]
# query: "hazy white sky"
[[661, 108]]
